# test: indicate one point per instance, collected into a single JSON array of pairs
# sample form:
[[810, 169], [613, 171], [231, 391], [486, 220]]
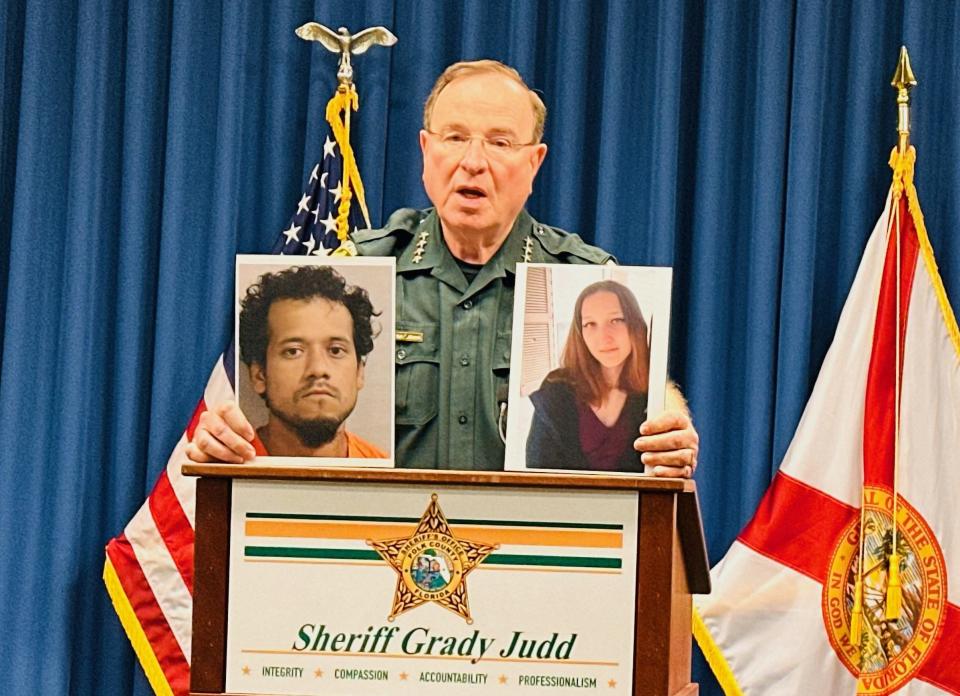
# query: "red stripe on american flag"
[[798, 526], [878, 419], [174, 527], [135, 586], [942, 668], [195, 418]]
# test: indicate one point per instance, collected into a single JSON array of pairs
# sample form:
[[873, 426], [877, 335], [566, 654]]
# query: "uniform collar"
[[518, 246], [428, 252]]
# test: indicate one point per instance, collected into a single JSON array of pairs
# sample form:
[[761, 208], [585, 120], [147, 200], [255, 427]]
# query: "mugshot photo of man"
[[305, 335]]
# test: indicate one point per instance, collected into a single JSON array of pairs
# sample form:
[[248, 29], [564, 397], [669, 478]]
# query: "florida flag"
[[821, 593]]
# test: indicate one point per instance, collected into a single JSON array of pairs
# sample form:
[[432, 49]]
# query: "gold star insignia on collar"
[[421, 245], [432, 564], [527, 249]]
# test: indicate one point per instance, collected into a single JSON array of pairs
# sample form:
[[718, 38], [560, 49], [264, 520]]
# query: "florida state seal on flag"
[[845, 581]]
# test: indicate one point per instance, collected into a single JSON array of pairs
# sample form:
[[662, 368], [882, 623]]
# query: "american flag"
[[149, 567], [313, 227]]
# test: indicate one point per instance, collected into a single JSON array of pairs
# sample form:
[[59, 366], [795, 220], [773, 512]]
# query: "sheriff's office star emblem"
[[432, 564]]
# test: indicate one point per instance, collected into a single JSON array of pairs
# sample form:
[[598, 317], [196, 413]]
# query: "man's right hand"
[[223, 435]]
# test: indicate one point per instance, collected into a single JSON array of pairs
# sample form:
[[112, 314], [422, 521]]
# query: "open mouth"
[[471, 192]]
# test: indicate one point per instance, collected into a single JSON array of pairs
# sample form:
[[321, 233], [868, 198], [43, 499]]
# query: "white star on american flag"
[[291, 233], [329, 223], [316, 215], [337, 192], [314, 173], [323, 179], [309, 244], [304, 204], [328, 146]]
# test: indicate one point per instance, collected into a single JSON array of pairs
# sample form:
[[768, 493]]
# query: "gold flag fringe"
[[718, 663], [131, 625], [344, 101], [905, 164]]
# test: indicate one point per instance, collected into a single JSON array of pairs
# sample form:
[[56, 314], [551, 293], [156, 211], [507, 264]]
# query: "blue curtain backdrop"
[[143, 144]]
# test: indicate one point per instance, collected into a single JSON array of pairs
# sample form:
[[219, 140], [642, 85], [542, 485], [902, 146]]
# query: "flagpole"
[[903, 80], [345, 99]]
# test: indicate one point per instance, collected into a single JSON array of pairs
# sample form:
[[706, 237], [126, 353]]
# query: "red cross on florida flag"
[[787, 614]]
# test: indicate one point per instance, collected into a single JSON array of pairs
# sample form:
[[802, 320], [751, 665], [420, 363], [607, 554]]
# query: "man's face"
[[477, 192], [312, 374]]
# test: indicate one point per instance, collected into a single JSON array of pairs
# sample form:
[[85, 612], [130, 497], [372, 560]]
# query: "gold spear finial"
[[903, 80]]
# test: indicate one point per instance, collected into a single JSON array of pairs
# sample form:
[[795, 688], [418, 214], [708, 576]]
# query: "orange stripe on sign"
[[798, 526], [327, 530], [483, 535]]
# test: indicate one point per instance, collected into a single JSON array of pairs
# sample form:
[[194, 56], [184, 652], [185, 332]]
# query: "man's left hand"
[[669, 444]]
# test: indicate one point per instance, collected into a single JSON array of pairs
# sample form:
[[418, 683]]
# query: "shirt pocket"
[[418, 375], [500, 365]]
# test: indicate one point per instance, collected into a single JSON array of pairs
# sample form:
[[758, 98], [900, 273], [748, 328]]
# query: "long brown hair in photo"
[[581, 369]]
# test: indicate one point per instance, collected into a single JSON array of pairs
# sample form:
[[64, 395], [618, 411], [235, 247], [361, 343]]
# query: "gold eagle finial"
[[345, 43]]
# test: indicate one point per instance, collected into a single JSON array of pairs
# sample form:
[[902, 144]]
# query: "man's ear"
[[360, 373], [258, 377], [538, 154]]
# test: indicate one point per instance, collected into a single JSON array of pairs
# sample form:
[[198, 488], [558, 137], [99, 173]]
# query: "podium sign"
[[359, 588], [384, 581]]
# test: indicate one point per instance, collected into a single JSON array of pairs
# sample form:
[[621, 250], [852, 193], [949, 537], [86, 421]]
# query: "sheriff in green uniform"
[[482, 148], [454, 323]]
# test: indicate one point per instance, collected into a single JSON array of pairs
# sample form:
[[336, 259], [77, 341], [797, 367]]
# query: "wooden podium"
[[671, 552]]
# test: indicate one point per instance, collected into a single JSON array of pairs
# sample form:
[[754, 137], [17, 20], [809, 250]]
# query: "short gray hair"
[[480, 67]]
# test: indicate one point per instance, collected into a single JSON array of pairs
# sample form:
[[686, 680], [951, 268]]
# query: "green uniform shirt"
[[453, 337]]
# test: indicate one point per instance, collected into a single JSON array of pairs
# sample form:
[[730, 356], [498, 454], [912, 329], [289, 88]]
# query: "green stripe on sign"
[[337, 518], [550, 525], [501, 559], [415, 520], [291, 552], [553, 561]]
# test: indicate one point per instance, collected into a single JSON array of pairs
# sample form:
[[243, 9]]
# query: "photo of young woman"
[[588, 367], [588, 411]]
